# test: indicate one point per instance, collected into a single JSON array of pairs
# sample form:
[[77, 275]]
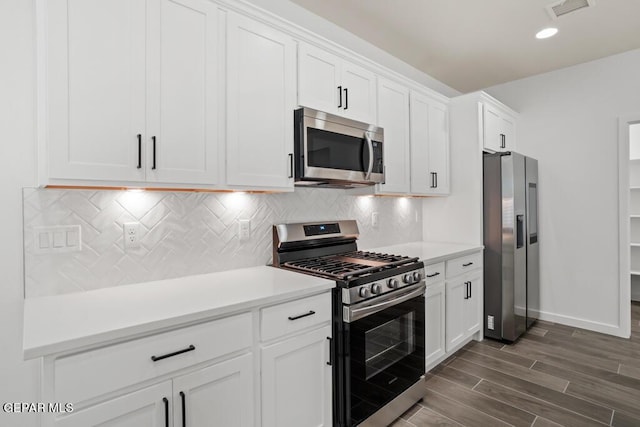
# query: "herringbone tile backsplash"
[[185, 233]]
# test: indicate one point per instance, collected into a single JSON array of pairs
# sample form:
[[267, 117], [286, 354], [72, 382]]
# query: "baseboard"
[[576, 322]]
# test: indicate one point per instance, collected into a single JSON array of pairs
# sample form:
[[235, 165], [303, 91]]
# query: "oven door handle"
[[352, 314], [370, 146]]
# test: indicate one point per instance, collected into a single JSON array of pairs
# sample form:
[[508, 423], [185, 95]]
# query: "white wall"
[[569, 122], [18, 379]]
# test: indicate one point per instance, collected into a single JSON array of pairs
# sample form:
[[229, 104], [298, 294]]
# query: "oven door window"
[[389, 343], [385, 356]]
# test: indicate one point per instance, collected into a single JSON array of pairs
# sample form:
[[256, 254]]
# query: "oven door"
[[336, 149], [385, 350]]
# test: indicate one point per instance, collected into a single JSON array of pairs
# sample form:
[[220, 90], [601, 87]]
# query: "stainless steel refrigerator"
[[511, 254]]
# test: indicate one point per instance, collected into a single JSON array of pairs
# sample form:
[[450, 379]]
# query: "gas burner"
[[349, 264]]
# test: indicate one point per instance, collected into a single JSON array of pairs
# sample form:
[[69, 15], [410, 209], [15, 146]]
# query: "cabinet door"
[[319, 79], [95, 88], [455, 301], [473, 305], [359, 93], [508, 125], [439, 147], [143, 408], [260, 102], [182, 141], [429, 145], [492, 126], [296, 381], [219, 395], [434, 325], [393, 116]]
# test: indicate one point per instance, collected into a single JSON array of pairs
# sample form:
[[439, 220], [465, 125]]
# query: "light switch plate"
[[57, 239]]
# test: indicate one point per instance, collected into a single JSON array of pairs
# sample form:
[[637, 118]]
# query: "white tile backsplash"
[[185, 233]]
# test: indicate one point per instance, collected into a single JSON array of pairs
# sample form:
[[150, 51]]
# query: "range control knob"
[[363, 292], [376, 288], [417, 276], [408, 278], [393, 283]]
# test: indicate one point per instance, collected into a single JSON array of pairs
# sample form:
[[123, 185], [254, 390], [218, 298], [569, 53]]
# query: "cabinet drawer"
[[434, 273], [294, 316], [90, 374], [464, 264]]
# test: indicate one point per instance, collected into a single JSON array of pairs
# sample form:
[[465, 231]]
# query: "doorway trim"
[[624, 251]]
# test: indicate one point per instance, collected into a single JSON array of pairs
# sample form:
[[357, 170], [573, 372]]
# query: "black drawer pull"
[[434, 274], [300, 316], [330, 362], [175, 353], [467, 264]]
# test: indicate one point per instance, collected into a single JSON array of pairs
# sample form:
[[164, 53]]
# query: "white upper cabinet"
[[333, 85], [95, 86], [182, 137], [260, 103], [429, 145], [499, 128], [132, 90], [393, 117]]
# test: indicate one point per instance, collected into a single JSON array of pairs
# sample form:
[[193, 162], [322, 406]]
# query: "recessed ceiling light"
[[546, 33]]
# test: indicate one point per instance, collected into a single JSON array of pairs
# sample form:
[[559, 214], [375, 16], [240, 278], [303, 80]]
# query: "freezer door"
[[532, 240], [514, 248]]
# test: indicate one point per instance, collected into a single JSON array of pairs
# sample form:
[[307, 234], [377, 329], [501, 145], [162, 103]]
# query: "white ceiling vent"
[[560, 8]]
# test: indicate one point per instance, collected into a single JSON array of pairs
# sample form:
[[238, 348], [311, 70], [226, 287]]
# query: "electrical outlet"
[[375, 220], [490, 323], [244, 229], [131, 234]]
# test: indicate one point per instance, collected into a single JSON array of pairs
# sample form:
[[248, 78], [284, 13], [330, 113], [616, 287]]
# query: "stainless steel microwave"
[[332, 151]]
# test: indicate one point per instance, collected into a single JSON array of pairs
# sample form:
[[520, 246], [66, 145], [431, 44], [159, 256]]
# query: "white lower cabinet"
[[219, 395], [464, 299], [453, 306], [214, 373], [142, 408], [296, 381], [435, 323]]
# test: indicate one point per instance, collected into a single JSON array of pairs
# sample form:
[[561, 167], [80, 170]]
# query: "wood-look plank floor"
[[554, 375]]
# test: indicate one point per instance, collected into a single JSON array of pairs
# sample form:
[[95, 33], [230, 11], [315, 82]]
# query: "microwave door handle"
[[370, 146]]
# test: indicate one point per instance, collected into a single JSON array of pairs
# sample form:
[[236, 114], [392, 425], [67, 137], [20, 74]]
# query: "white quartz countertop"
[[77, 321], [430, 252]]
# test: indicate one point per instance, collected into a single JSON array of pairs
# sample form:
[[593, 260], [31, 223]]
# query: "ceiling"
[[474, 44]]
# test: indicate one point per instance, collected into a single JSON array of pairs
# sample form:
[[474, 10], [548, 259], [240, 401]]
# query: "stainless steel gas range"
[[378, 319]]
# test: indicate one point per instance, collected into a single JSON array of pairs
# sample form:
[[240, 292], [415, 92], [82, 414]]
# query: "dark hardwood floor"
[[553, 375]]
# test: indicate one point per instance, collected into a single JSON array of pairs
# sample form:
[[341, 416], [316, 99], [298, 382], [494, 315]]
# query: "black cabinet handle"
[[300, 316], [139, 151], [166, 411], [469, 289], [175, 353], [346, 98], [433, 275], [330, 362], [291, 165], [467, 264], [436, 175], [184, 409], [503, 140], [433, 179], [153, 139], [340, 96]]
